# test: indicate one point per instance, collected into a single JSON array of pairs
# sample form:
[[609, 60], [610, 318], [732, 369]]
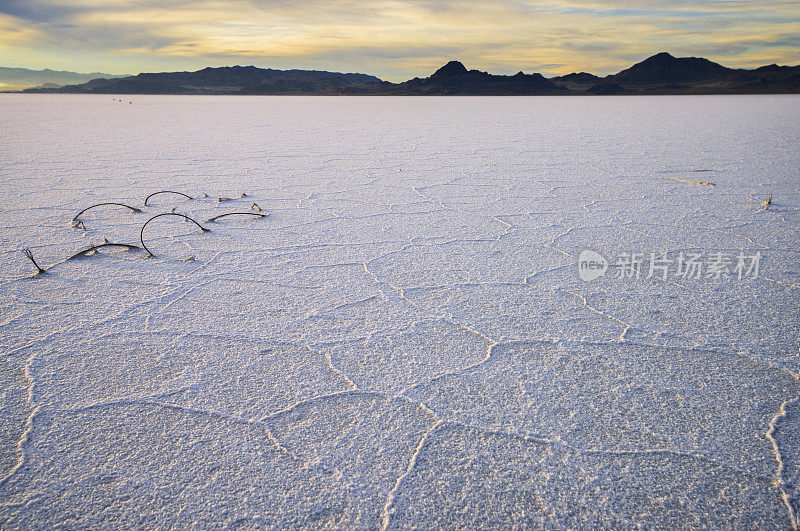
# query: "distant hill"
[[665, 74], [229, 80], [663, 68], [22, 78], [659, 74], [454, 78], [580, 81]]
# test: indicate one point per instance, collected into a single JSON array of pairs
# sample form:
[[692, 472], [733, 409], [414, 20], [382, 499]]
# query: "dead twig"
[[76, 216], [223, 199], [766, 204], [141, 232], [95, 248], [212, 220], [165, 192], [255, 207], [29, 254]]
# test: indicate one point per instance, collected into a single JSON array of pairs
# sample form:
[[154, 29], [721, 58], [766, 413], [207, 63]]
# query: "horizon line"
[[447, 61]]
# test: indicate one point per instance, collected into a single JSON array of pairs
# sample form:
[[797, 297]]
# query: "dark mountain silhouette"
[[580, 81], [662, 69], [606, 88], [659, 74], [450, 70], [229, 80], [454, 78], [665, 74]]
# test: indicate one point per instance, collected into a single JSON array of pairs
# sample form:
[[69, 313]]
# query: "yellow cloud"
[[13, 33]]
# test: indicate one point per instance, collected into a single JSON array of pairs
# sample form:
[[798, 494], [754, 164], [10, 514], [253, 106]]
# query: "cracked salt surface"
[[404, 341]]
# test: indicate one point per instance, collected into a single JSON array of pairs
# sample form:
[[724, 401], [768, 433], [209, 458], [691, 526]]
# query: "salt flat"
[[406, 340]]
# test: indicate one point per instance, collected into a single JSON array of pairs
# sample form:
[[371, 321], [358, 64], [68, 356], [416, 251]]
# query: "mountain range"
[[22, 78], [225, 80], [659, 74]]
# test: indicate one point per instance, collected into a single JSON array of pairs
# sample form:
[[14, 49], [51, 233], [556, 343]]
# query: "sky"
[[393, 39]]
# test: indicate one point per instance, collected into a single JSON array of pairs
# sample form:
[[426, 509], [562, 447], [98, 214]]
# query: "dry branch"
[[212, 220], [29, 254], [95, 248], [76, 216], [165, 192], [141, 232]]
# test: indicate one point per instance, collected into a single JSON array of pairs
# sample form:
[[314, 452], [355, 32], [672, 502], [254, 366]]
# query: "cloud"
[[37, 10], [395, 38]]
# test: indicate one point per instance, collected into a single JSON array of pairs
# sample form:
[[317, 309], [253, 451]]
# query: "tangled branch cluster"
[[254, 211]]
